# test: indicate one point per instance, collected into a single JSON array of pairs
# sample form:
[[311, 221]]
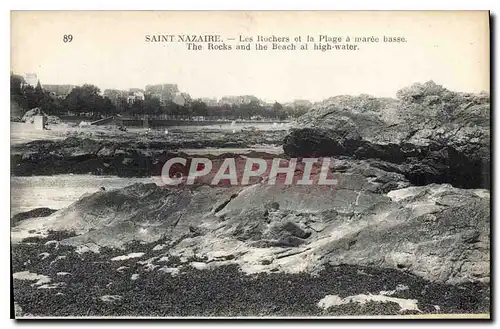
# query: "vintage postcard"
[[320, 164]]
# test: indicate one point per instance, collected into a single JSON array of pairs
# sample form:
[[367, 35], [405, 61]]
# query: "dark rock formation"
[[38, 212], [124, 156], [442, 138]]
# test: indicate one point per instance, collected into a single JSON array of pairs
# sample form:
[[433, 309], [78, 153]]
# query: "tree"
[[151, 105], [40, 97], [122, 106], [278, 111], [226, 111], [30, 99], [87, 98], [16, 84], [249, 109], [171, 108], [199, 108]]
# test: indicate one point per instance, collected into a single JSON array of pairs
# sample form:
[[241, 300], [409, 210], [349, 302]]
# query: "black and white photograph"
[[250, 164]]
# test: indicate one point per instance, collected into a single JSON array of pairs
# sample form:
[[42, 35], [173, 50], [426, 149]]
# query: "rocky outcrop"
[[132, 155], [437, 232], [432, 136], [34, 213], [29, 116]]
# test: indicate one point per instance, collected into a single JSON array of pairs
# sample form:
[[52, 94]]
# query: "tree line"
[[89, 100]]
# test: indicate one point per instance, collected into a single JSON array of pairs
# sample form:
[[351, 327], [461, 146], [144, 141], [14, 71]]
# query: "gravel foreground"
[[156, 284]]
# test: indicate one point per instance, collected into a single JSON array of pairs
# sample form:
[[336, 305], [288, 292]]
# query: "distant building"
[[210, 101], [60, 91], [115, 95], [302, 103], [267, 104], [182, 99], [31, 79], [239, 100], [134, 95], [134, 90], [131, 95], [163, 92]]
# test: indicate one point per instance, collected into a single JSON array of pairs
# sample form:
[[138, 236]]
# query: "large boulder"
[[437, 232], [144, 212], [443, 137], [29, 116]]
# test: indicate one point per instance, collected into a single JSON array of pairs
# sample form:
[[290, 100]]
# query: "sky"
[[109, 50]]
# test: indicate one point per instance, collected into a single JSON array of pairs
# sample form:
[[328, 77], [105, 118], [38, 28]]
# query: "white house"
[[135, 96]]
